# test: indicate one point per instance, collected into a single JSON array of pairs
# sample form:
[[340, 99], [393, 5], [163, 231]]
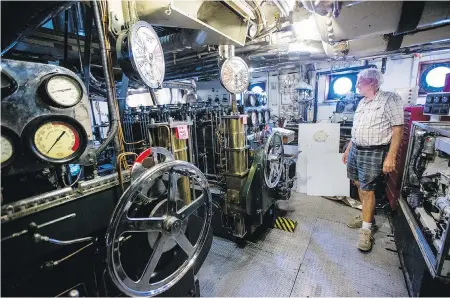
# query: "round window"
[[342, 86], [436, 77]]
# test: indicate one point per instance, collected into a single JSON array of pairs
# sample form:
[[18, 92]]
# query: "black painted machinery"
[[142, 226]]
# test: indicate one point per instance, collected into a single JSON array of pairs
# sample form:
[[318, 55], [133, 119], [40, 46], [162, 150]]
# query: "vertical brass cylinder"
[[179, 149], [237, 158], [235, 133]]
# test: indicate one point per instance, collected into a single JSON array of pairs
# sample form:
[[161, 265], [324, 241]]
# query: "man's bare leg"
[[368, 205], [365, 239]]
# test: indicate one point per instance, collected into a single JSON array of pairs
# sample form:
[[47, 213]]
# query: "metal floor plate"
[[319, 259]]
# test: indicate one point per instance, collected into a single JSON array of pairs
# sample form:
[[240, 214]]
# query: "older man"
[[376, 135]]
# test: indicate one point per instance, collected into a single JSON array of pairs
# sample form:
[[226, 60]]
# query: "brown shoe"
[[355, 222], [365, 240]]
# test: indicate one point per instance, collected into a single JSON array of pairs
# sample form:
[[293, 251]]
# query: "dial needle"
[[56, 141]]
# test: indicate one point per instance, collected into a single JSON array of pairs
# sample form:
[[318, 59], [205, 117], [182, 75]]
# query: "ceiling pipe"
[[184, 40]]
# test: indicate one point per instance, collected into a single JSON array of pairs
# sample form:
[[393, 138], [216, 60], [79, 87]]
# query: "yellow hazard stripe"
[[285, 224], [288, 226], [277, 224]]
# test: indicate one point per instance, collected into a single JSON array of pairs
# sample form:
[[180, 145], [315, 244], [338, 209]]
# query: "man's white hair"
[[373, 76]]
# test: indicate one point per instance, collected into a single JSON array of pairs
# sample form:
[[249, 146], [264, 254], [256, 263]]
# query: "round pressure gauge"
[[252, 100], [254, 118], [62, 91], [57, 139], [140, 55], [7, 149], [267, 116], [234, 75], [9, 142]]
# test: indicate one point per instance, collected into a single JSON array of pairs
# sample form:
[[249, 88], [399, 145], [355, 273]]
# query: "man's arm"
[[345, 155], [395, 115], [390, 161]]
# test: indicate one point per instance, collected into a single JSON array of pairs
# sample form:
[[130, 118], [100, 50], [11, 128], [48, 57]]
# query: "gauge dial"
[[254, 118], [7, 149], [144, 51], [57, 140], [260, 117], [267, 116], [252, 99], [64, 91], [234, 75]]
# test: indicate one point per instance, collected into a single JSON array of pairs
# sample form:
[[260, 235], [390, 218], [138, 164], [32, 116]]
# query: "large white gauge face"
[[147, 54], [56, 140], [267, 116], [64, 91], [234, 75], [254, 118], [252, 99], [7, 149]]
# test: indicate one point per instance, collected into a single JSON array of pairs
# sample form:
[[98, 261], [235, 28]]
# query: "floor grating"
[[319, 259]]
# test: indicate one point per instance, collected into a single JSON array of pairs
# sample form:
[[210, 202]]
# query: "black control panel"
[[437, 104]]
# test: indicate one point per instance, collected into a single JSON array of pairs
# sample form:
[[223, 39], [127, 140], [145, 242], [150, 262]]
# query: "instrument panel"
[[437, 104], [45, 118]]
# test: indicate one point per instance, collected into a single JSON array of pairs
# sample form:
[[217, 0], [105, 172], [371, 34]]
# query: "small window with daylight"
[[432, 76], [341, 85], [436, 77]]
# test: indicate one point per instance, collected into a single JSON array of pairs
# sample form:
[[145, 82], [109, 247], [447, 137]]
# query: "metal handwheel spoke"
[[153, 224], [185, 244], [191, 208], [158, 250], [272, 160], [172, 199]]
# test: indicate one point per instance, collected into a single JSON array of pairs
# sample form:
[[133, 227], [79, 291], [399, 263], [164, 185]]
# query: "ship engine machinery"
[[181, 173]]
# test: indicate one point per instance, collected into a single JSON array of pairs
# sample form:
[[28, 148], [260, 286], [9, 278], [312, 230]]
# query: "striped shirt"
[[374, 119]]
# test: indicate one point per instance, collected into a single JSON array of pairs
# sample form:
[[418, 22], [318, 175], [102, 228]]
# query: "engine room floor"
[[319, 259]]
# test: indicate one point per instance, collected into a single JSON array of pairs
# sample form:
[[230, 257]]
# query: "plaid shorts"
[[365, 166]]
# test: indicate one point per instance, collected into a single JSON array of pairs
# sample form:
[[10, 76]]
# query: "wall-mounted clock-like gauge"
[[140, 54], [234, 75], [61, 91], [55, 139]]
